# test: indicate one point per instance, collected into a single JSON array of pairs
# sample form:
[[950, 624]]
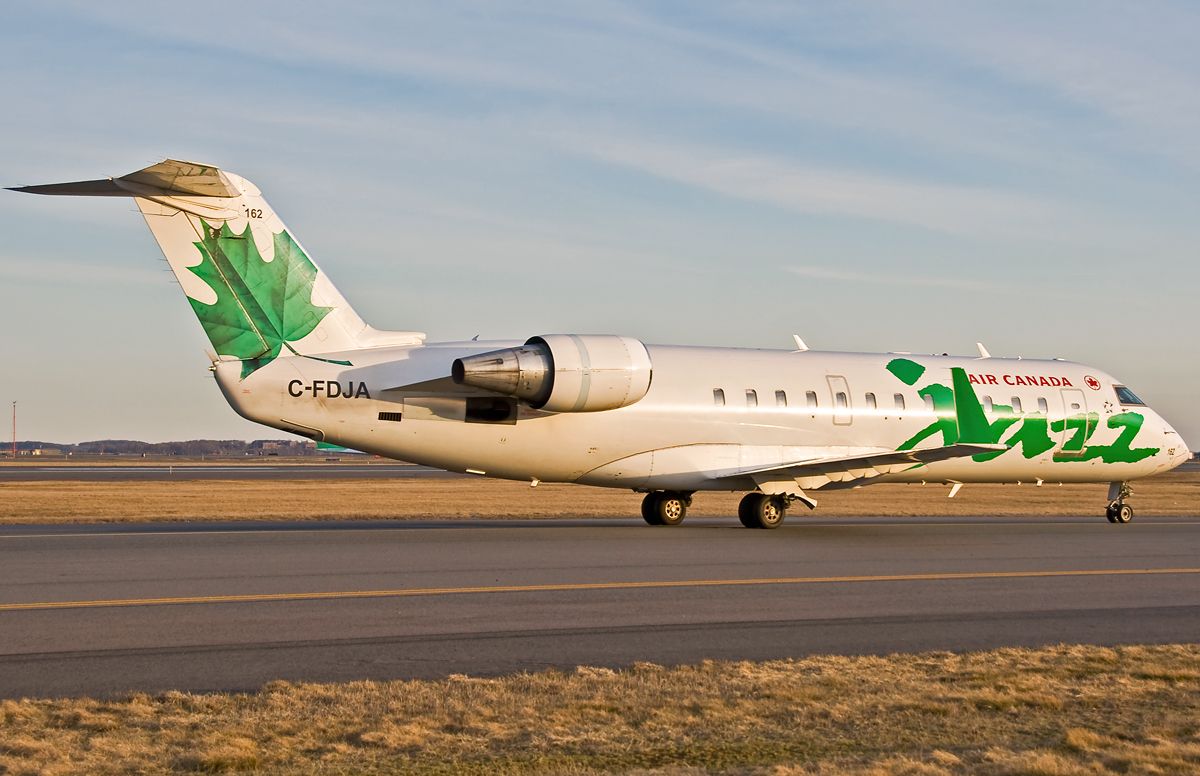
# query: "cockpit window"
[[1126, 396]]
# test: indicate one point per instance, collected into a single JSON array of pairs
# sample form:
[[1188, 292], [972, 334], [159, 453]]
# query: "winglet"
[[983, 352], [800, 346]]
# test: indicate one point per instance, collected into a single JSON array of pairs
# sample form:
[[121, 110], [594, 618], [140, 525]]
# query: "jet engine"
[[563, 372]]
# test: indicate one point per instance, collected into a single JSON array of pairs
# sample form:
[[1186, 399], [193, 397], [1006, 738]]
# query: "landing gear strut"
[[665, 507], [1118, 511], [758, 510]]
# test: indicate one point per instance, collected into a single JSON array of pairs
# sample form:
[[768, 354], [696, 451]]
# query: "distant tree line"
[[192, 447]]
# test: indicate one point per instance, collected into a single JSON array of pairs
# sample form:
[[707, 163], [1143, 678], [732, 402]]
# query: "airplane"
[[611, 411]]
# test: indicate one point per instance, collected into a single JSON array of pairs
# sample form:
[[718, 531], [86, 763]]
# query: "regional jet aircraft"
[[612, 411]]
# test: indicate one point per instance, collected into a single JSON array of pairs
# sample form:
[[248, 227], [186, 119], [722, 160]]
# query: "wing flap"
[[889, 459], [813, 474]]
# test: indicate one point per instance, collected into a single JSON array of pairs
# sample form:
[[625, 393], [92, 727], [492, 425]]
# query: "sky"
[[910, 176]]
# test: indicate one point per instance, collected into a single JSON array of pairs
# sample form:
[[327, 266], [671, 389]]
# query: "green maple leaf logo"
[[261, 305]]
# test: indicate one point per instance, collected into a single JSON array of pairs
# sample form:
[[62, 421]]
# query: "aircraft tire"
[[1123, 513], [670, 508], [1111, 514], [650, 507], [746, 509], [758, 510]]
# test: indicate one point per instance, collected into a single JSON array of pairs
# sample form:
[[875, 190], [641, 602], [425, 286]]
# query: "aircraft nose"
[[1183, 453]]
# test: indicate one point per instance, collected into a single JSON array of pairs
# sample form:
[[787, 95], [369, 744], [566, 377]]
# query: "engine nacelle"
[[563, 372]]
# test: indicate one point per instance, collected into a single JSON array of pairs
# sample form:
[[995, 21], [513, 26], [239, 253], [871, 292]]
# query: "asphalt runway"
[[104, 609], [230, 471]]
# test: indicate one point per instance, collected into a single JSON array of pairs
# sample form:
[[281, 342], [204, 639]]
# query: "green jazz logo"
[[960, 418]]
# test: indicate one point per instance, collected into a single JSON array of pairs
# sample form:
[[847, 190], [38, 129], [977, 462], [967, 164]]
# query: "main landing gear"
[[756, 510], [1118, 511], [661, 507]]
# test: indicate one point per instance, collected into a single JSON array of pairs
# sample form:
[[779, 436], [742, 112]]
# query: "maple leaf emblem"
[[261, 305]]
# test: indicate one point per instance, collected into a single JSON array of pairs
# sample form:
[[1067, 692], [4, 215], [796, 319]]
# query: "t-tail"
[[255, 290]]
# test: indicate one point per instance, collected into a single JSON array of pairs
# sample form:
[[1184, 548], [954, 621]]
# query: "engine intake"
[[563, 372]]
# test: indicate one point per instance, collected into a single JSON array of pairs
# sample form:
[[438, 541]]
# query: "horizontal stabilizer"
[[168, 177], [104, 187]]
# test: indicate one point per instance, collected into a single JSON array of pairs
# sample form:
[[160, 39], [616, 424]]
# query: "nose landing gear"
[[1118, 511]]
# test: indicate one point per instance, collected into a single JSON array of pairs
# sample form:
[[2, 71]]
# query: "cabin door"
[[1077, 424], [839, 396]]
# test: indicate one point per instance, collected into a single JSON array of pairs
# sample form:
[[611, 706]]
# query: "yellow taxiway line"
[[576, 586]]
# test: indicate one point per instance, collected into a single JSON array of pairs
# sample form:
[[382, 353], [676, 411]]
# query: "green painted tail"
[[253, 287]]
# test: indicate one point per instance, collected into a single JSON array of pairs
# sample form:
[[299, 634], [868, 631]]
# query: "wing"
[[812, 474]]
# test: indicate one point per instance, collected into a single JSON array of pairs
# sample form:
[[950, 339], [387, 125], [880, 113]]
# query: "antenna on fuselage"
[[983, 352], [800, 346]]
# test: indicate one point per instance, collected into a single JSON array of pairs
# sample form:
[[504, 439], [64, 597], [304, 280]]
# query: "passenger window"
[[929, 403], [987, 403], [751, 397], [899, 401], [840, 400], [719, 397], [810, 398], [1043, 407], [871, 401], [1016, 404], [781, 398], [1075, 406]]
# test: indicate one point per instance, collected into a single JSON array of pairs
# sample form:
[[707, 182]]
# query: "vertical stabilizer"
[[253, 287]]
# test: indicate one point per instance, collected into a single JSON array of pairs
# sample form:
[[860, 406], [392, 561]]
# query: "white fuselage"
[[778, 406]]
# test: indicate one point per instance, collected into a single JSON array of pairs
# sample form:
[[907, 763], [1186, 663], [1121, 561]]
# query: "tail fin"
[[254, 289]]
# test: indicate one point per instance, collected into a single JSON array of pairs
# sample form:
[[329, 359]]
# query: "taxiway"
[[103, 609]]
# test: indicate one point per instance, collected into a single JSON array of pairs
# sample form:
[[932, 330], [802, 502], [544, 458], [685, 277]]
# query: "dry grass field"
[[1175, 493], [1058, 711]]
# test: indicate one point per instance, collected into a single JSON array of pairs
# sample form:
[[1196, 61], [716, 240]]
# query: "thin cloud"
[[892, 279], [77, 273], [788, 184], [1133, 67], [363, 43]]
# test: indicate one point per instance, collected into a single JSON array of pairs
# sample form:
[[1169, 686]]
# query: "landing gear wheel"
[[665, 508], [758, 510], [1119, 513], [650, 508], [672, 508], [746, 509]]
